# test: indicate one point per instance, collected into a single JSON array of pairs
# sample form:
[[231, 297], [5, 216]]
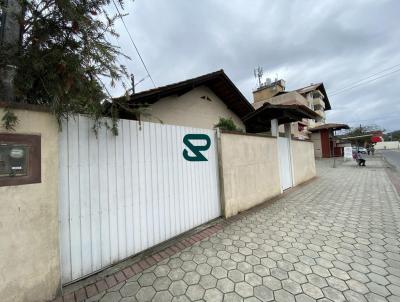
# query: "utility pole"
[[133, 83], [10, 35]]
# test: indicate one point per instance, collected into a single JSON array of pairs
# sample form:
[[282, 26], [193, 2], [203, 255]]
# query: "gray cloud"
[[303, 41]]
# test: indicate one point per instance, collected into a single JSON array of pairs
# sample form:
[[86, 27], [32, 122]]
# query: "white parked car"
[[361, 149]]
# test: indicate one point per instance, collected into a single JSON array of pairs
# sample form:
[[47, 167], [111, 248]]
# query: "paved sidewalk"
[[335, 239]]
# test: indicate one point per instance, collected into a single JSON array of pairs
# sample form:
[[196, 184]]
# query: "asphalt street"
[[393, 157]]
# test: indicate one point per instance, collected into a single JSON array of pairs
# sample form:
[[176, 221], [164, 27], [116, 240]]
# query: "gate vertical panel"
[[120, 195], [136, 187], [104, 226], [120, 192], [112, 196], [95, 209], [74, 200], [84, 194], [65, 242], [128, 187]]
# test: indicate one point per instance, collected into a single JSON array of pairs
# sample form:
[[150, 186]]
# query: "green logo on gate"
[[198, 156]]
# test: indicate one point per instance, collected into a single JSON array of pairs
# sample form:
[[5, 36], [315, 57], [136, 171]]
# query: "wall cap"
[[302, 140], [246, 134], [24, 106]]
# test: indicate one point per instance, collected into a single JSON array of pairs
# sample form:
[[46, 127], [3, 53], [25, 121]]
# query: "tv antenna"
[[258, 74]]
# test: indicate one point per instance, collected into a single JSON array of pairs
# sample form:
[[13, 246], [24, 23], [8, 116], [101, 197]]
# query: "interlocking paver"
[[272, 283], [283, 296], [298, 277], [195, 292], [357, 286], [244, 289], [208, 281], [203, 269], [162, 296], [176, 274], [178, 288], [317, 280], [212, 295], [352, 296], [234, 297], [219, 272], [304, 298], [335, 239], [291, 286], [130, 289], [333, 294], [111, 297], [378, 289], [145, 293], [225, 285], [312, 290], [263, 293], [337, 283]]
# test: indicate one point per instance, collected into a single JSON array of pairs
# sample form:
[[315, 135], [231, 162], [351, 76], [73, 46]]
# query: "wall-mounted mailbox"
[[20, 162]]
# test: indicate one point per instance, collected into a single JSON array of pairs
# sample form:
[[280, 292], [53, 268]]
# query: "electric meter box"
[[20, 159]]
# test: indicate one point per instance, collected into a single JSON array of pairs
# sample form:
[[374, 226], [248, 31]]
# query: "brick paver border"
[[136, 268]]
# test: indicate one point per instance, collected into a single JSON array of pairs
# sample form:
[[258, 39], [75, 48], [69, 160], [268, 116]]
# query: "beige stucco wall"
[[29, 247], [191, 110], [303, 161], [250, 171]]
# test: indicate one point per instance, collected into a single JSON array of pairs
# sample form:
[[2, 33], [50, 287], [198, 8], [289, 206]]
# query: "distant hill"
[[395, 135]]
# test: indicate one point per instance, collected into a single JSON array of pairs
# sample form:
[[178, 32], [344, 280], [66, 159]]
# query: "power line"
[[104, 86], [389, 118], [365, 82], [133, 43], [363, 79]]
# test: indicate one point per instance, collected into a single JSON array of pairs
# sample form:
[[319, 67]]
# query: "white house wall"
[[191, 110]]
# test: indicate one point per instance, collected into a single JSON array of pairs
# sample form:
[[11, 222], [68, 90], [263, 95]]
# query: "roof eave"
[[239, 105]]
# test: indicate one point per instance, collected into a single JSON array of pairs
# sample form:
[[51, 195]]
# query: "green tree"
[[64, 50], [394, 135], [363, 129]]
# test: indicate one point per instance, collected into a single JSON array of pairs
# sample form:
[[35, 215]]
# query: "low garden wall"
[[29, 249], [250, 171]]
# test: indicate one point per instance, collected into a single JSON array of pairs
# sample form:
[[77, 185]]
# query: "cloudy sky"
[[337, 42]]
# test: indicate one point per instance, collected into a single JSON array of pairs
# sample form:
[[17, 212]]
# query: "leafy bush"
[[227, 124]]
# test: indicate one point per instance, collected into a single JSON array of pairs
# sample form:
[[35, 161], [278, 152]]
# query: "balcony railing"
[[318, 102], [321, 113]]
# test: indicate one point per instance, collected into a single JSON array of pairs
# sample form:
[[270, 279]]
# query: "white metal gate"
[[285, 164], [120, 195]]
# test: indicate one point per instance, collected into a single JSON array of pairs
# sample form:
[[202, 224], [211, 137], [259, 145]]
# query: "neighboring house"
[[326, 144], [313, 96], [198, 102]]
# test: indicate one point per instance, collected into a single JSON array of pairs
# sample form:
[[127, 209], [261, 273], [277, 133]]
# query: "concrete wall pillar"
[[274, 127], [288, 130]]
